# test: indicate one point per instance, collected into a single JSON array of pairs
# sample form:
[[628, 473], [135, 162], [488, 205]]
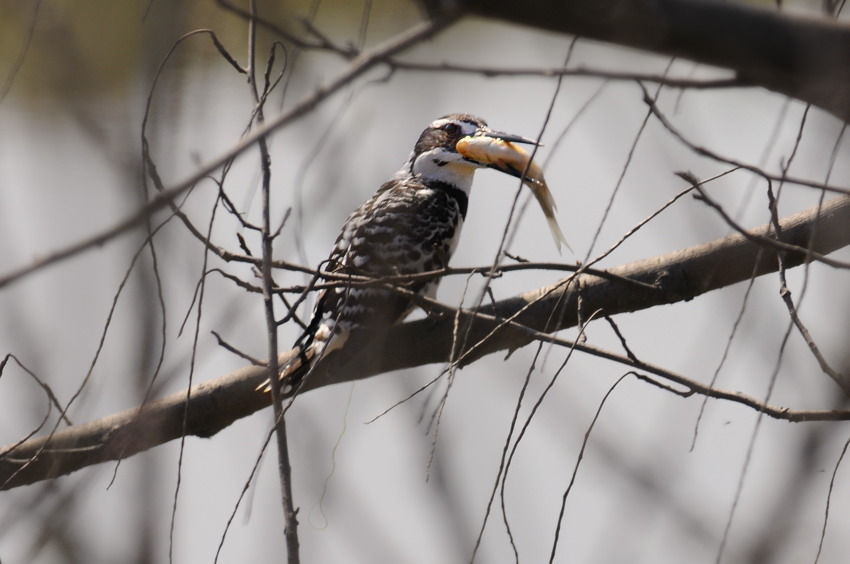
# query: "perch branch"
[[673, 277]]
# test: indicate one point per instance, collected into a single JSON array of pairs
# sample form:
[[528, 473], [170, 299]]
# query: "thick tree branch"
[[677, 276], [805, 58]]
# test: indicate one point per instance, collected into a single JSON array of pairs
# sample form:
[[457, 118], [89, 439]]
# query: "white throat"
[[430, 166]]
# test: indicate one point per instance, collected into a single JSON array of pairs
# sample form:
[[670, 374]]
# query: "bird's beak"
[[498, 150]]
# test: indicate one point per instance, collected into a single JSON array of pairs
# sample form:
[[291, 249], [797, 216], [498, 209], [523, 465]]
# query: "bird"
[[411, 225]]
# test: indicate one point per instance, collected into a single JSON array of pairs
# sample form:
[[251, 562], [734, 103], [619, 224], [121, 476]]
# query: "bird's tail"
[[292, 371], [318, 339]]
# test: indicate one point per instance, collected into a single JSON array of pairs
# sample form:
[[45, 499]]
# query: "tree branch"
[[803, 57], [673, 277]]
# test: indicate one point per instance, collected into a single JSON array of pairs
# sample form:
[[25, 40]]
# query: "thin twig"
[[290, 513]]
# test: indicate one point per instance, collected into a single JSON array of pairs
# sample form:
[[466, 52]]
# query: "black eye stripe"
[[445, 133]]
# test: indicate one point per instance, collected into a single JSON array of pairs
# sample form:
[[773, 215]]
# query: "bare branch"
[[583, 72]]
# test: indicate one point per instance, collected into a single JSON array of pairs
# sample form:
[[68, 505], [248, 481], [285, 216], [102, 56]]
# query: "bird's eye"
[[451, 128]]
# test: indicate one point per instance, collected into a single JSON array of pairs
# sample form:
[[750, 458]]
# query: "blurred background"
[[123, 319]]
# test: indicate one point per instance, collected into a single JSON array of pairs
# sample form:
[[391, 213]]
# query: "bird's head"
[[453, 147], [444, 152]]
